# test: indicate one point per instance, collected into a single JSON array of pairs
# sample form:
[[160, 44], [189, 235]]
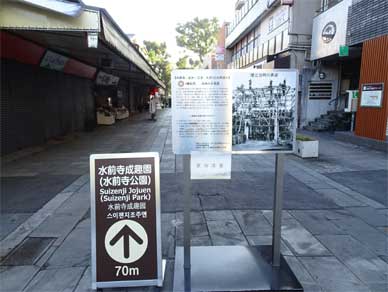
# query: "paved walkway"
[[335, 220]]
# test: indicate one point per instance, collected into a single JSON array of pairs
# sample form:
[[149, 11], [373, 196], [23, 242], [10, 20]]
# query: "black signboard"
[[125, 213]]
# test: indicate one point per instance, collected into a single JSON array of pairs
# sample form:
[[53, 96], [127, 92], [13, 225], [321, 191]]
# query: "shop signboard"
[[125, 215], [92, 38], [107, 79], [244, 111], [53, 61], [372, 95], [329, 30], [344, 51]]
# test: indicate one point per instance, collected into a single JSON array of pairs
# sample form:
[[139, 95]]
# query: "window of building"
[[270, 24], [278, 43], [265, 49], [271, 46], [244, 46], [286, 39], [250, 38]]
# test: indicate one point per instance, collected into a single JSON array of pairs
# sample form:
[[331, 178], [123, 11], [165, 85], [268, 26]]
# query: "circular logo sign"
[[126, 241], [329, 32], [181, 83]]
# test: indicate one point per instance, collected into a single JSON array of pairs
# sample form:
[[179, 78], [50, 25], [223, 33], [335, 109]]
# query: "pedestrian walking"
[[152, 107]]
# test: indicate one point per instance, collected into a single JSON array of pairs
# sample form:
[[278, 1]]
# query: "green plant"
[[300, 137]]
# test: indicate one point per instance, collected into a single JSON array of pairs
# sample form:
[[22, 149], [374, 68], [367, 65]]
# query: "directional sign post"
[[125, 215]]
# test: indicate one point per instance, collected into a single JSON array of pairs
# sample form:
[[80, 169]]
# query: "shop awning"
[[23, 16], [67, 35], [117, 39]]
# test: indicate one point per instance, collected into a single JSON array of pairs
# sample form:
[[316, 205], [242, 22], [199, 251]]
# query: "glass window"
[[244, 41], [278, 43], [250, 46], [265, 49], [251, 35], [257, 31], [286, 39], [271, 46], [270, 24]]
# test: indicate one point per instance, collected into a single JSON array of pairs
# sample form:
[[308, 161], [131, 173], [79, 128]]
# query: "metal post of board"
[[277, 209], [187, 221], [352, 123]]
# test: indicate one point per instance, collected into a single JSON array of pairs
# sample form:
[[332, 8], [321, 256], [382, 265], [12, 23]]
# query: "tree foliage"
[[198, 35], [186, 62], [157, 56]]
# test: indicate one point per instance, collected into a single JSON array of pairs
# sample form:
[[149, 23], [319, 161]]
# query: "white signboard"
[[329, 30], [53, 61], [372, 95], [202, 106], [106, 79], [253, 110], [219, 57], [211, 165], [92, 40]]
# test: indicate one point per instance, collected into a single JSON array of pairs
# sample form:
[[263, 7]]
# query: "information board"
[[202, 103], [125, 215], [372, 95], [246, 111], [210, 165]]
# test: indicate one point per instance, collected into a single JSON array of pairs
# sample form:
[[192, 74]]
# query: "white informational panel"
[[253, 110], [202, 106], [53, 61], [372, 95], [211, 165]]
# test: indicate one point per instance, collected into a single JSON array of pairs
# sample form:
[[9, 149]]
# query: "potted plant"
[[306, 146]]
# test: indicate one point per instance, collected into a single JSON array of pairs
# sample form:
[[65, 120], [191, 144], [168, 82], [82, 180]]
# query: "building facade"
[[217, 58], [350, 52], [274, 34]]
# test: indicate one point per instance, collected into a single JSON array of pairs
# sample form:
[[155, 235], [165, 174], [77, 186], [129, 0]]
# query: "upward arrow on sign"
[[126, 232]]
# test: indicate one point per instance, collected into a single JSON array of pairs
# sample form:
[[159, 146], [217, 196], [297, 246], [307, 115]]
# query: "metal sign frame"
[[276, 216], [294, 127], [277, 263], [362, 91], [232, 73], [114, 284]]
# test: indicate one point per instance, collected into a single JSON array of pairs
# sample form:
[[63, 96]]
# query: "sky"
[[155, 20]]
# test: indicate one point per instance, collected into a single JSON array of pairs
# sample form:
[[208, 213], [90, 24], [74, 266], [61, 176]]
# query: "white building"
[[274, 34]]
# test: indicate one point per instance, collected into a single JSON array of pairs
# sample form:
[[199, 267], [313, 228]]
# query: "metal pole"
[[277, 209], [187, 221]]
